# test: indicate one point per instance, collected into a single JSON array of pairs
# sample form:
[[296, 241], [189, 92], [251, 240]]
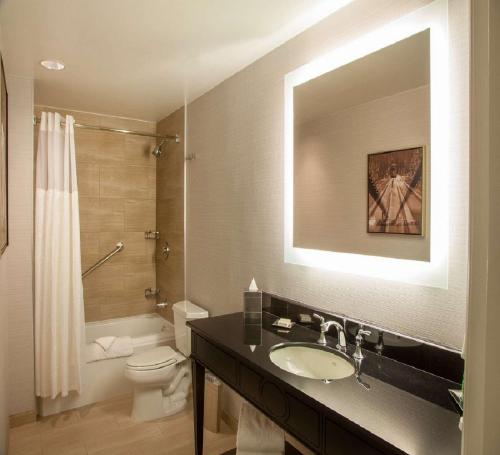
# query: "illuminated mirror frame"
[[432, 273]]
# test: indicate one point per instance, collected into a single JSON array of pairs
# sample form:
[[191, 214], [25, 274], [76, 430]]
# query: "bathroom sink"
[[311, 360]]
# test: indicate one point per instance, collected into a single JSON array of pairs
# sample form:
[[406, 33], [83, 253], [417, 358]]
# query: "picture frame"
[[396, 192], [4, 171]]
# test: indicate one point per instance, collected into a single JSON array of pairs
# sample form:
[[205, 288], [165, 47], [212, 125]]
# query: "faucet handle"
[[358, 354], [361, 332], [320, 318], [364, 332]]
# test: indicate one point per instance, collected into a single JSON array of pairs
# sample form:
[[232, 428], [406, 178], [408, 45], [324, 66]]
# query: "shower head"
[[157, 151]]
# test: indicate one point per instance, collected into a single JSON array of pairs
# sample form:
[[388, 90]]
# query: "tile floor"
[[106, 429]]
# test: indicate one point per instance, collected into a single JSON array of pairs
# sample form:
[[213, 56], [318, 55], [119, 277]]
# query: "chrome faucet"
[[358, 354], [324, 326]]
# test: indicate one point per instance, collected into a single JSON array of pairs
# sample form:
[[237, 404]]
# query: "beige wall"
[[4, 343], [17, 262], [117, 189], [482, 394], [170, 212], [4, 361], [235, 190], [330, 174]]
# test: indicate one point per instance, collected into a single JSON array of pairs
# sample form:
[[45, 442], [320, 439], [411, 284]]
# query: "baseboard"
[[16, 420]]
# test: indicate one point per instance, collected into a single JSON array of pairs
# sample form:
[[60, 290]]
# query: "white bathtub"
[[105, 379]]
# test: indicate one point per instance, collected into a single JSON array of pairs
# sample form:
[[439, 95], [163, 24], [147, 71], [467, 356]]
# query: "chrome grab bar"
[[118, 248]]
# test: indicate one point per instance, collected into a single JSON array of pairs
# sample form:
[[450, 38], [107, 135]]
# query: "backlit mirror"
[[361, 155]]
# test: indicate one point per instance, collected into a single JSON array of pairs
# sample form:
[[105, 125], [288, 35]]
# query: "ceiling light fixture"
[[54, 65]]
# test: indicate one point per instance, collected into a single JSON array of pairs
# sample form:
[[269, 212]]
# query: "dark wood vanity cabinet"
[[317, 427]]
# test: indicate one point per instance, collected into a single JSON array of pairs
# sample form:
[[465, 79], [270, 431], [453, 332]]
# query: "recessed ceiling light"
[[52, 65]]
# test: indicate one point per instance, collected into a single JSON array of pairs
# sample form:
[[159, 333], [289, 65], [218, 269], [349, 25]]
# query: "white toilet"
[[162, 376]]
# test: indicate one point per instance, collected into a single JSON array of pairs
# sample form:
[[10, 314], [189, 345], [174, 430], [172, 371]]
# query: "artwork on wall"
[[396, 191], [4, 225]]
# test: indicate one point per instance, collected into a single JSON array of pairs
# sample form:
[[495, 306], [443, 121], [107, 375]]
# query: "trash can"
[[213, 389]]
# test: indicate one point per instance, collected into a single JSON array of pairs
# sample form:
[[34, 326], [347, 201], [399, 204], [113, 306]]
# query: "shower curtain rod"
[[36, 121]]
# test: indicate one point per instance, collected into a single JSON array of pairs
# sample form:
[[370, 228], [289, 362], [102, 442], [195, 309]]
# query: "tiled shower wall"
[[170, 212], [117, 189]]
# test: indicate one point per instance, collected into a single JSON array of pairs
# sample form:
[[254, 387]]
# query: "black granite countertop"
[[408, 422]]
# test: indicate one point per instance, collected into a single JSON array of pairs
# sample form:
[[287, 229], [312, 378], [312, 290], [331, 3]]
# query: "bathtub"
[[105, 379]]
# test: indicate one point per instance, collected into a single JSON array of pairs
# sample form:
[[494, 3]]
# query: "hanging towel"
[[116, 347], [257, 435]]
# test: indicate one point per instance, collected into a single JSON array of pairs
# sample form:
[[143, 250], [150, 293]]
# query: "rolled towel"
[[257, 435], [117, 347]]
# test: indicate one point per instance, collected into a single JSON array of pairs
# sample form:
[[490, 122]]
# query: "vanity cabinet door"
[[300, 419], [342, 442], [250, 384], [264, 393], [274, 400], [304, 421]]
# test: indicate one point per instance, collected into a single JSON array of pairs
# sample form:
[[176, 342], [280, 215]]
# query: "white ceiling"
[[143, 59]]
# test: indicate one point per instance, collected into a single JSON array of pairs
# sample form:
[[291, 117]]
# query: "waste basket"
[[213, 389]]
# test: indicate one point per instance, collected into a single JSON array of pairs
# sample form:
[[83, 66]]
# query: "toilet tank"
[[185, 311]]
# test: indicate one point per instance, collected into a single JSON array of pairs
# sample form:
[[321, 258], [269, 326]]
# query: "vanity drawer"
[[299, 417], [218, 361], [250, 383], [304, 421], [342, 442], [274, 401]]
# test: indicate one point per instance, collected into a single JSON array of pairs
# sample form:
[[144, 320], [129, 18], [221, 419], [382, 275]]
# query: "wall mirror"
[[366, 154], [361, 140]]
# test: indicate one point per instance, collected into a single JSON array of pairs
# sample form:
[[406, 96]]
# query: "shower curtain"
[[59, 313]]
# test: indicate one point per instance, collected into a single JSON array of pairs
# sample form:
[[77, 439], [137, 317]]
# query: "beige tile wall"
[[117, 188], [170, 212]]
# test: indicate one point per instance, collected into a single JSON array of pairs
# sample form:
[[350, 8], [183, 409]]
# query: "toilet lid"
[[153, 358]]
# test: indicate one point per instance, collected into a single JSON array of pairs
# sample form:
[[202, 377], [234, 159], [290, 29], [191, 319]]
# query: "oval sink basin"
[[311, 361]]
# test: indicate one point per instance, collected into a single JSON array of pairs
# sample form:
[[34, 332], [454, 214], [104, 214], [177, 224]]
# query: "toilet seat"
[[153, 359]]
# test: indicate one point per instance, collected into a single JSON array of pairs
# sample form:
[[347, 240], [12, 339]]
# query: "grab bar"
[[118, 248]]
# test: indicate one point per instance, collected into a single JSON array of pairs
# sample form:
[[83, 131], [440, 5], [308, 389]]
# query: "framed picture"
[[4, 211], [396, 191]]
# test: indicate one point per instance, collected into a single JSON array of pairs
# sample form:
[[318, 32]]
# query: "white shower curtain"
[[59, 313]]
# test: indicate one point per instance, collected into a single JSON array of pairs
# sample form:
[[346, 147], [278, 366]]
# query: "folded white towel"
[[105, 342], [117, 347], [257, 435], [121, 347], [94, 352]]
